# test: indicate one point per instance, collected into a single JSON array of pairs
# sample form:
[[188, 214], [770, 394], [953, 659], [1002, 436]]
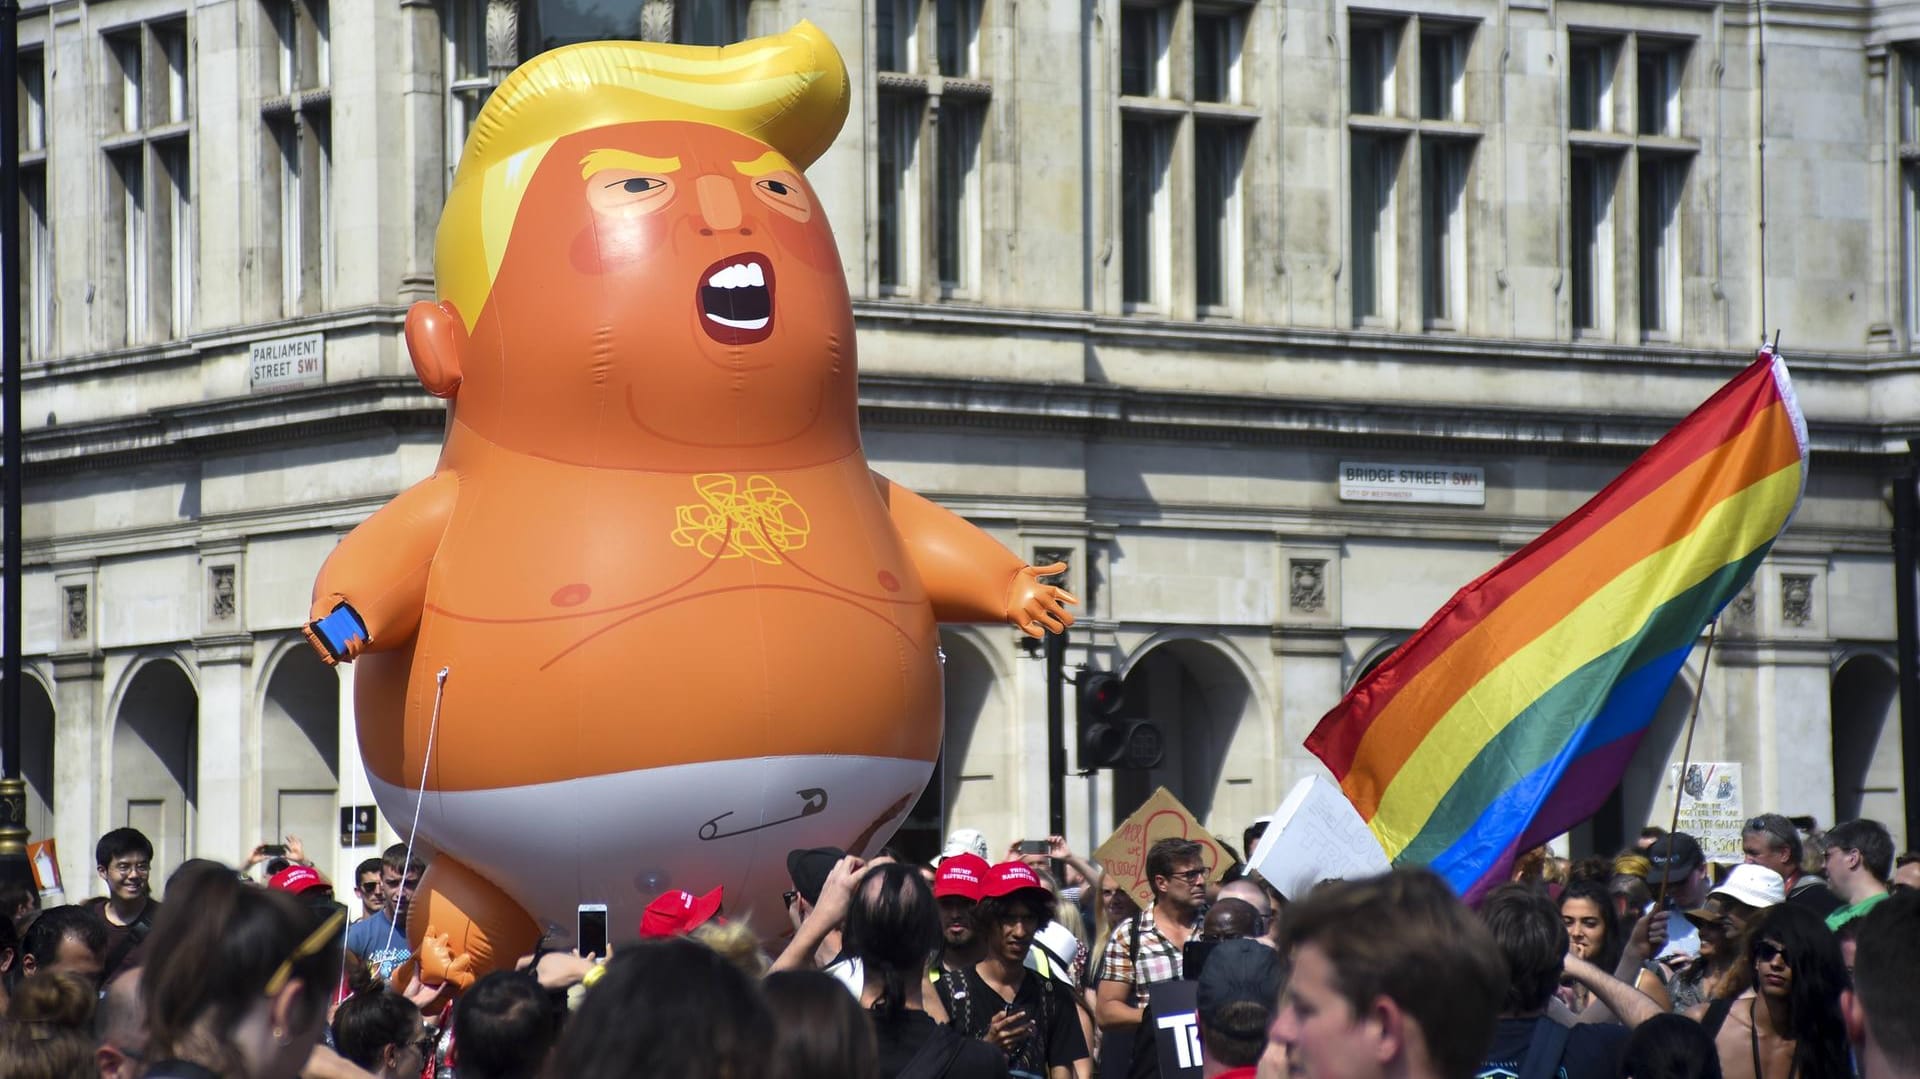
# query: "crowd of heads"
[[1389, 977]]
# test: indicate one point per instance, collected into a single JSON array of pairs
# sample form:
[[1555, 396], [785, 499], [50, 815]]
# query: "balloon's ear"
[[436, 336]]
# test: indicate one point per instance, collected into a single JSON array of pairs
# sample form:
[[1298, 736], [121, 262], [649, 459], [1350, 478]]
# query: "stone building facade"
[[1135, 282]]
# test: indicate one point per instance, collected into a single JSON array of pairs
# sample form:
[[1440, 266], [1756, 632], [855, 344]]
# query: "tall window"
[[1908, 106], [1627, 161], [1419, 133], [1195, 106], [1660, 180], [149, 193], [469, 77], [929, 135], [36, 256], [709, 22], [1590, 185], [299, 123]]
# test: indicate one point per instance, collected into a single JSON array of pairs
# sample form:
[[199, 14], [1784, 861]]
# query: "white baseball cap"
[[1754, 885], [963, 841]]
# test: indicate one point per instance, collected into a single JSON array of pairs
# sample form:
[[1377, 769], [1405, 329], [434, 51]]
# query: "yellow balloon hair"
[[788, 90]]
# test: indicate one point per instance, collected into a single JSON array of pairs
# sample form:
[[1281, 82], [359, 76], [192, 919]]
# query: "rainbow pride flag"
[[1510, 716]]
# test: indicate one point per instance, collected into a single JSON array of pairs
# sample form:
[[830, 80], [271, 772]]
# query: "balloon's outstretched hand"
[[1035, 607]]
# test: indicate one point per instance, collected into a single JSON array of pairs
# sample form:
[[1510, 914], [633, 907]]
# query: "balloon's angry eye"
[[640, 183]]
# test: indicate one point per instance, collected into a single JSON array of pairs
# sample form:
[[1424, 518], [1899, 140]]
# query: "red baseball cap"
[[1010, 877], [677, 913], [297, 879], [962, 875]]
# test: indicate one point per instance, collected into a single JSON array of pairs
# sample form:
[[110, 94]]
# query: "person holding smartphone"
[[1031, 1018]]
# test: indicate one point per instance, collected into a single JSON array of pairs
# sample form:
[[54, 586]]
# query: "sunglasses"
[[369, 886], [1191, 876], [789, 897], [308, 947], [1766, 952]]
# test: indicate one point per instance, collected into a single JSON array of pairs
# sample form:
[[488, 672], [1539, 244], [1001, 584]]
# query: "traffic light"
[[1102, 735], [1108, 739]]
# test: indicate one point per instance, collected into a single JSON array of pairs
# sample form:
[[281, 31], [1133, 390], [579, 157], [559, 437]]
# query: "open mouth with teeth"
[[736, 299]]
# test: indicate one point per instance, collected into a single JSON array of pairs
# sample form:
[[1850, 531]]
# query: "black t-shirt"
[[1593, 1050], [900, 1038], [1056, 1040], [1816, 897], [122, 939]]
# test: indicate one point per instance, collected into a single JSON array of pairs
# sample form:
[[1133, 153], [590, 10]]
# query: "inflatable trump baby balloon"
[[652, 622]]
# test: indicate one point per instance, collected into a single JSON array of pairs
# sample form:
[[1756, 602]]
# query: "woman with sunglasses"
[[381, 1032], [237, 980], [1788, 1026]]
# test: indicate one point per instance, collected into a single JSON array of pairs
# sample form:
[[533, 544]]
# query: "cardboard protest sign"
[[1124, 854], [1316, 835]]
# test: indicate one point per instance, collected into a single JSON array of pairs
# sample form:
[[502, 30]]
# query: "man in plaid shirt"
[[1148, 947]]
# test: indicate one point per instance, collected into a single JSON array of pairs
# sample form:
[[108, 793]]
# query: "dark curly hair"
[[1611, 943], [1813, 953]]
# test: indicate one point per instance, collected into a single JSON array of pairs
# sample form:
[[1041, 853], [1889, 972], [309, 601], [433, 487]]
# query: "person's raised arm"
[[836, 897], [1610, 994]]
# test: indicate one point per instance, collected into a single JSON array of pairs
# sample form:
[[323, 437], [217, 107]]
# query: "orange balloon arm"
[[969, 576], [380, 569]]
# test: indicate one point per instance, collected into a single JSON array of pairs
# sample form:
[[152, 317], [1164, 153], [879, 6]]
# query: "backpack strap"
[[1545, 1046], [1716, 1015]]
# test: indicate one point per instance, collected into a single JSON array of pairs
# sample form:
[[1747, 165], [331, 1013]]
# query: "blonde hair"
[[788, 90]]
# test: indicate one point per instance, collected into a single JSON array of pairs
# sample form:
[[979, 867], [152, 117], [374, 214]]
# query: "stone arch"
[[155, 784], [1374, 655], [300, 750], [1866, 740], [975, 781], [36, 753], [1208, 706]]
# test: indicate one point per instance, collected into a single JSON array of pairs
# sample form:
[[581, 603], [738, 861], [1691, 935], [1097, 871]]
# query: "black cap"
[[809, 868], [1674, 856], [1239, 970]]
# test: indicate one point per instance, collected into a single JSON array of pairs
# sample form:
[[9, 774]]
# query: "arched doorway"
[[973, 782], [1198, 697], [155, 762], [1866, 742], [36, 755], [300, 752]]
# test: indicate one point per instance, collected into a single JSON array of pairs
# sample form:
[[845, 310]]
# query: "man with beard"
[[998, 1000], [957, 887]]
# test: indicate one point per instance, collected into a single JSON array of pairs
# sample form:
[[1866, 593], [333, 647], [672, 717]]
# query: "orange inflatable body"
[[652, 622]]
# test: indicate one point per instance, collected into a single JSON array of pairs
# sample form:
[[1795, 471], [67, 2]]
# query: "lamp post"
[[13, 792]]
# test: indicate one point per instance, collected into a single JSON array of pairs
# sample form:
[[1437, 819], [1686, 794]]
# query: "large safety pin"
[[813, 801]]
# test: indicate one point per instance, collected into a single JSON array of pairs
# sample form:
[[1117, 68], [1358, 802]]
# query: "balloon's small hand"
[[1035, 607], [337, 635], [438, 964]]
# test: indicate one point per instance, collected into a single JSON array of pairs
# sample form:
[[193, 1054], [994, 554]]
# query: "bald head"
[[1251, 894], [1232, 919]]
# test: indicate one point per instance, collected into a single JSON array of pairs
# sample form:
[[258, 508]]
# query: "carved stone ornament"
[[220, 587], [656, 20], [503, 37], [1796, 598], [76, 611], [1047, 556], [1307, 585]]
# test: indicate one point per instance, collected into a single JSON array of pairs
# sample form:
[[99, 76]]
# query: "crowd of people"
[[1803, 962]]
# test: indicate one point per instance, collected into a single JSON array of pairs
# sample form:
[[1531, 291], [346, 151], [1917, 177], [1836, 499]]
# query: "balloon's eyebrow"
[[601, 160], [771, 161]]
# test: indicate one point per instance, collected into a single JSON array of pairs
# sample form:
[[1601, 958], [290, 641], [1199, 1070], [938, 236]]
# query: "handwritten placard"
[[1316, 835], [1124, 854], [1711, 808]]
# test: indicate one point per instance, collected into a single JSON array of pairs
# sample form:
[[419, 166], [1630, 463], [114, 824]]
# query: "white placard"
[[1451, 485], [1316, 835], [1711, 808], [280, 362]]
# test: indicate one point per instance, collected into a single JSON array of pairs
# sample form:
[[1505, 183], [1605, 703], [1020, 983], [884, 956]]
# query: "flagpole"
[[1686, 754]]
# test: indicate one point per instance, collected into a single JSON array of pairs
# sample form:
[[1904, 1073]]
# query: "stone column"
[[1310, 643], [227, 806], [82, 765], [1777, 688]]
